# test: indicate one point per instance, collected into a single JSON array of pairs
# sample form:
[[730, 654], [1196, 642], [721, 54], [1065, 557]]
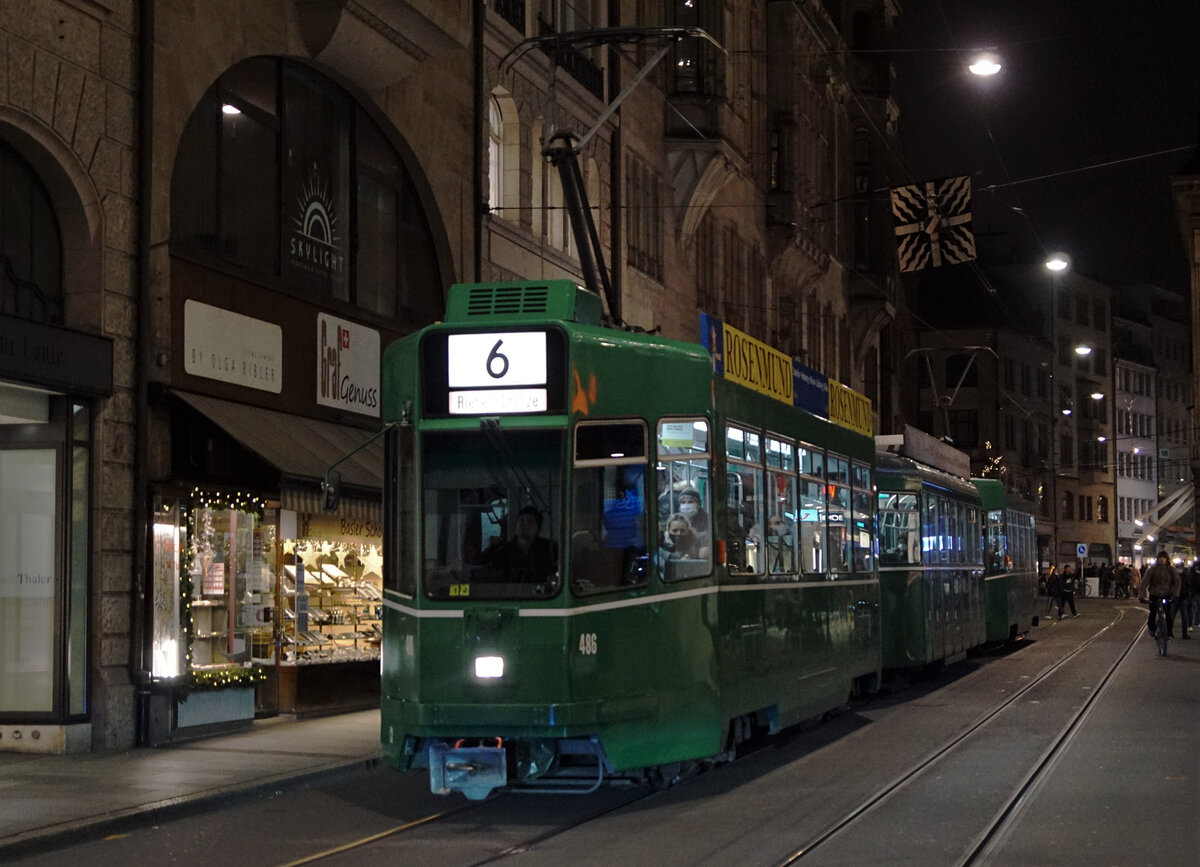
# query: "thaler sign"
[[347, 365]]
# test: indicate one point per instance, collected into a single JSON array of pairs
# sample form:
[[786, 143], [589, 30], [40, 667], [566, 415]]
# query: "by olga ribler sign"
[[229, 347], [347, 365]]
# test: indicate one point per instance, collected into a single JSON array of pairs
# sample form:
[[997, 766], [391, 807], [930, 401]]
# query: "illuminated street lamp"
[[985, 65]]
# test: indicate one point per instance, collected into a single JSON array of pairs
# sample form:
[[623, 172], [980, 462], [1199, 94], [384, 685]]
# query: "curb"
[[46, 839]]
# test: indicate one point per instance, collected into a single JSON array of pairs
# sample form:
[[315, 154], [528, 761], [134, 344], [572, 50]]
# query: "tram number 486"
[[587, 643]]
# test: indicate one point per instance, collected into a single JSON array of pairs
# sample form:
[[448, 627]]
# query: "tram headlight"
[[489, 667]]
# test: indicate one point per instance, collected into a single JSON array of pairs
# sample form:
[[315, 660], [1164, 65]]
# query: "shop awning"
[[300, 447]]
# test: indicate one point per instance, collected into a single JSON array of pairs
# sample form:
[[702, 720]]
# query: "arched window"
[[495, 154], [30, 244], [504, 157], [283, 177]]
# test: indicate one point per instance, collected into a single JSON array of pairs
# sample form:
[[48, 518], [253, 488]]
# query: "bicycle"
[[1160, 623]]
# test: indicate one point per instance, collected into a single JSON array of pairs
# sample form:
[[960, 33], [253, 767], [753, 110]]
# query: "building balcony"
[[575, 64]]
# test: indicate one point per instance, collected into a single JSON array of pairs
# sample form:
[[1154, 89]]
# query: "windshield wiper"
[[491, 429]]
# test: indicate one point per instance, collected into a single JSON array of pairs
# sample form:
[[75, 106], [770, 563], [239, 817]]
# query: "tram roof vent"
[[549, 299]]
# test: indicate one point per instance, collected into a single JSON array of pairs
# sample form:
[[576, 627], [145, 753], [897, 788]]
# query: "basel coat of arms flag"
[[933, 223]]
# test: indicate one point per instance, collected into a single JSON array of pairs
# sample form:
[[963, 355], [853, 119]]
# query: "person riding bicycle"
[[1160, 581]]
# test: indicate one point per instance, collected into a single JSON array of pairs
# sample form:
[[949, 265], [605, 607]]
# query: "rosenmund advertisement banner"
[[741, 358]]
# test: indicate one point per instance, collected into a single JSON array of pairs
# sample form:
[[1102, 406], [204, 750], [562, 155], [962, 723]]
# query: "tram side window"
[[744, 501], [899, 529], [782, 511], [685, 531], [838, 470], [972, 535], [945, 540], [996, 552], [812, 511], [1027, 533], [862, 539], [609, 507], [954, 532], [930, 541]]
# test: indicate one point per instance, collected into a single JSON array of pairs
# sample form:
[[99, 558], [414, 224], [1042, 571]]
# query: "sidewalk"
[[57, 798]]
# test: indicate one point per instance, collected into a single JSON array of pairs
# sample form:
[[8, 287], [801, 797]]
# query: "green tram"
[[930, 563], [1010, 562], [603, 559]]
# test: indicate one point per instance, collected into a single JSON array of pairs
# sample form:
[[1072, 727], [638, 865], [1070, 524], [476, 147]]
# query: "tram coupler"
[[472, 770]]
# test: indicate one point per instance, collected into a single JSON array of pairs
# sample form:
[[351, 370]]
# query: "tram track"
[[995, 830], [513, 850]]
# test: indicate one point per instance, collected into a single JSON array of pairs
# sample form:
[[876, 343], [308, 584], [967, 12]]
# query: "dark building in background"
[[1000, 376]]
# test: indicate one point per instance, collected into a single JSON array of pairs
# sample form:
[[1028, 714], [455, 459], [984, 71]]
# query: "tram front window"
[[492, 514]]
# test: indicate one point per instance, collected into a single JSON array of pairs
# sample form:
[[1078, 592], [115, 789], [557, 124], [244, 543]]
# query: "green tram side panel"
[[1012, 600], [932, 611]]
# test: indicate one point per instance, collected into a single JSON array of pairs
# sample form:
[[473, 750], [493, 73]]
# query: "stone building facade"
[[68, 142], [233, 184]]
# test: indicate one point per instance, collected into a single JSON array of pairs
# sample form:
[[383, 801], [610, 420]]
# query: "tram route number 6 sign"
[[496, 372]]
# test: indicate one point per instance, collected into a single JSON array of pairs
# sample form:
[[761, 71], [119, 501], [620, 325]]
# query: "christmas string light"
[[209, 501]]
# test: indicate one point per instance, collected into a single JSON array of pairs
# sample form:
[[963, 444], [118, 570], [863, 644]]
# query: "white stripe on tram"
[[457, 613]]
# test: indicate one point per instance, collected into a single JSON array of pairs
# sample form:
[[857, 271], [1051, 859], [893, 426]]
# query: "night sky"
[[1085, 82]]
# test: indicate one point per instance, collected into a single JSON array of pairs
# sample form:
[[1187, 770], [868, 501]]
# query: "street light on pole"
[[1055, 263]]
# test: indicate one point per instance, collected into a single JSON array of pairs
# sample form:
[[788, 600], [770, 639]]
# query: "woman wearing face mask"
[[679, 541], [690, 508]]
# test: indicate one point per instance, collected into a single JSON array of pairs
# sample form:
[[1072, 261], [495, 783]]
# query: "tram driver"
[[527, 556]]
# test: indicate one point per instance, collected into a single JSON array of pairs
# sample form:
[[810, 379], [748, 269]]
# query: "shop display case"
[[227, 551], [330, 626], [345, 617]]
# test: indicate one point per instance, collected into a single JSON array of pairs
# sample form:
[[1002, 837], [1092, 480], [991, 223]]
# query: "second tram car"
[[603, 559]]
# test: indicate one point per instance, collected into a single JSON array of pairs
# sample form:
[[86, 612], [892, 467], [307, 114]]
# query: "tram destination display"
[[486, 373]]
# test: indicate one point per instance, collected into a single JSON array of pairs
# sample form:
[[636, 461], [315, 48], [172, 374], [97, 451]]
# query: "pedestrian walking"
[[1123, 578], [1187, 599], [1066, 594]]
